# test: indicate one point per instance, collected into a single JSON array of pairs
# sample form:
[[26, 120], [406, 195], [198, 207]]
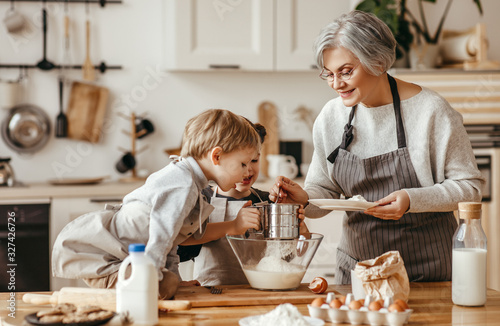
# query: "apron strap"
[[397, 111], [347, 137]]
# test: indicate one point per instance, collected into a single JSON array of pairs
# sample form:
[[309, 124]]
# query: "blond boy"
[[169, 208]]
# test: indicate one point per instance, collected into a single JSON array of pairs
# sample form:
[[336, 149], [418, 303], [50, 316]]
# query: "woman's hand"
[[287, 191], [391, 207]]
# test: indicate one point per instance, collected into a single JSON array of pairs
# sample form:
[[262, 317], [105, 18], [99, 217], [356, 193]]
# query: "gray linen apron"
[[424, 240], [95, 244], [217, 264]]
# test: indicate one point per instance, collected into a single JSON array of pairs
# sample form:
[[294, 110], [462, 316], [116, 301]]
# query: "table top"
[[431, 304]]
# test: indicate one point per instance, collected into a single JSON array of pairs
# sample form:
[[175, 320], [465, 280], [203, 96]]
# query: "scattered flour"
[[283, 315], [357, 198]]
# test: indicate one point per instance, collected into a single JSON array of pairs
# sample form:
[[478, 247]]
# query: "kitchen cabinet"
[[65, 210], [254, 35], [298, 23]]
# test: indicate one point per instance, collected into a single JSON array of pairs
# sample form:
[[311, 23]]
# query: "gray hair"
[[364, 35]]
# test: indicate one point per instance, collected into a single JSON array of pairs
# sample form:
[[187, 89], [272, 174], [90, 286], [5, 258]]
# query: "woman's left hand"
[[391, 207]]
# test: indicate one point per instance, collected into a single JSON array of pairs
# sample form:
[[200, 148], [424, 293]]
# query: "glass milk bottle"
[[138, 294], [468, 286]]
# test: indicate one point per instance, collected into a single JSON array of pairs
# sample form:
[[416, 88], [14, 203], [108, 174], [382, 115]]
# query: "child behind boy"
[[169, 208]]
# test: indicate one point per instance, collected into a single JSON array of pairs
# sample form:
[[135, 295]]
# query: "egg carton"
[[343, 314]]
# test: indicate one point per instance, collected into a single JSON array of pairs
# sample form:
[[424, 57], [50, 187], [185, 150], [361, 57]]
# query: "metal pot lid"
[[26, 129]]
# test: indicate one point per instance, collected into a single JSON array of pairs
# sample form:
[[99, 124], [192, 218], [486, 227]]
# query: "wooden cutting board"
[[86, 110], [244, 295], [268, 117]]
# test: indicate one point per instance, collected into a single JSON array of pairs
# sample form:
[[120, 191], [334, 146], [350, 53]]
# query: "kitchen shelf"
[[102, 3]]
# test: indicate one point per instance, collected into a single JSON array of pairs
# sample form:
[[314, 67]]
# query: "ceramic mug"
[[14, 22], [284, 165], [143, 127], [126, 162]]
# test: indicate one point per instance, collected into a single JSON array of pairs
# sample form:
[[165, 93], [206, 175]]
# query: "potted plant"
[[422, 29], [399, 19]]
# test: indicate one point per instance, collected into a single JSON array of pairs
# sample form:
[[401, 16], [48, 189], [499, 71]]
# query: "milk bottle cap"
[[136, 247]]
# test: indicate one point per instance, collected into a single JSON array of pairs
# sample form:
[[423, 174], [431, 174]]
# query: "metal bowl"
[[26, 129]]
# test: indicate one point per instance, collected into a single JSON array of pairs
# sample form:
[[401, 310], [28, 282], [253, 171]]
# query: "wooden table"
[[431, 303]]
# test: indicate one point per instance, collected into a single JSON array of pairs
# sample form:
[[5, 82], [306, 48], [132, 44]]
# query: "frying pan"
[[26, 129]]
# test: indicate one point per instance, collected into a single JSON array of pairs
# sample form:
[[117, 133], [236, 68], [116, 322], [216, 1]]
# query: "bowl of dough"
[[275, 264]]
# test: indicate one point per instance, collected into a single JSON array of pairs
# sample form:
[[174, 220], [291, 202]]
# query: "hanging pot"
[[26, 129]]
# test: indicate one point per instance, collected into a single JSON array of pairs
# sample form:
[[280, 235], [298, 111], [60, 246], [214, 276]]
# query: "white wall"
[[130, 35]]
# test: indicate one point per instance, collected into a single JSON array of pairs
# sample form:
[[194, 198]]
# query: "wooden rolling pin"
[[104, 298]]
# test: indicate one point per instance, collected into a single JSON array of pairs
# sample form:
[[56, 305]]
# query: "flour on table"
[[358, 198], [283, 315]]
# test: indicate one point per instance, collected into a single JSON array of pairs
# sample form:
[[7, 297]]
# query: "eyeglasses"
[[341, 76]]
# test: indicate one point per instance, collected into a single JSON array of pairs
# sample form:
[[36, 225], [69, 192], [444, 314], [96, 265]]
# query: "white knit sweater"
[[437, 142]]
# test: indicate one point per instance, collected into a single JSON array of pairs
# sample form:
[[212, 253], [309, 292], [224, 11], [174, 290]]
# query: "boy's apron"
[[217, 264], [424, 240], [95, 244]]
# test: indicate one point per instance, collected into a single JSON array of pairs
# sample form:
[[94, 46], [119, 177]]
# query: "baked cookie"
[[51, 319]]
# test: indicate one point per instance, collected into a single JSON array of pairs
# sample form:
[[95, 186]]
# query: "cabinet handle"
[[314, 67], [224, 66], [105, 200]]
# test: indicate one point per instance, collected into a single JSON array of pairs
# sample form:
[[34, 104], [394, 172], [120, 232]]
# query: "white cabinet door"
[[63, 211], [298, 23], [219, 34]]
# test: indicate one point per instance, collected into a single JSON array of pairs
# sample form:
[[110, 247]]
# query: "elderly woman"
[[392, 142]]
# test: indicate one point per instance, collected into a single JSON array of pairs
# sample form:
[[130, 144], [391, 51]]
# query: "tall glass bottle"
[[469, 258]]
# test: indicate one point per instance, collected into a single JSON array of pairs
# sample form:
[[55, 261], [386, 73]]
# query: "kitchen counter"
[[431, 304], [47, 190]]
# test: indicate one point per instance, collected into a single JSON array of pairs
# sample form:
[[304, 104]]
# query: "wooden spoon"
[[88, 68]]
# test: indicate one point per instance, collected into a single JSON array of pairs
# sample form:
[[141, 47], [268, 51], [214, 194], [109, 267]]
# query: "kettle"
[[6, 173]]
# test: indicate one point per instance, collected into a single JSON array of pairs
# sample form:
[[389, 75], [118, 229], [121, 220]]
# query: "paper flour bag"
[[384, 276]]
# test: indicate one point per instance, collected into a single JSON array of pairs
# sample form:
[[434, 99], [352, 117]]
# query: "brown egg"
[[318, 302], [355, 305], [342, 299], [318, 285], [335, 303], [402, 304], [362, 301], [395, 308], [375, 306]]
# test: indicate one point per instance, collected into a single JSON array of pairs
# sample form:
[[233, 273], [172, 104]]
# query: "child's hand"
[[247, 218], [190, 283], [302, 226]]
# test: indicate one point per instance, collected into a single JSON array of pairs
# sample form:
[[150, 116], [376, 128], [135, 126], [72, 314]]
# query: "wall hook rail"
[[102, 3], [102, 67]]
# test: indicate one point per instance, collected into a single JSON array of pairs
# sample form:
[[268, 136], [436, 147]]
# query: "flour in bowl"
[[276, 270], [283, 315], [358, 198]]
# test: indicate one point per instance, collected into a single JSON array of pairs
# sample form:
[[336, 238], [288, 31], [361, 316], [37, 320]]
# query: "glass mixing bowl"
[[275, 264]]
